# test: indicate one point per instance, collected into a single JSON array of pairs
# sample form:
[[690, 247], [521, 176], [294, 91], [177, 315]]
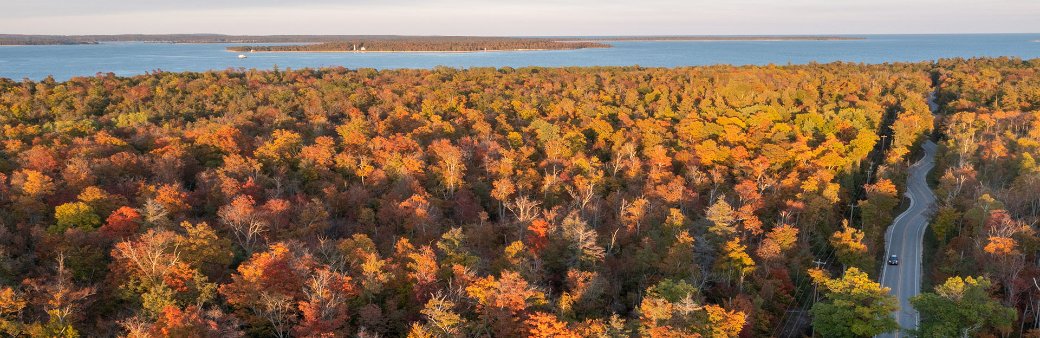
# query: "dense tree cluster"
[[538, 202], [33, 40], [988, 187], [427, 44]]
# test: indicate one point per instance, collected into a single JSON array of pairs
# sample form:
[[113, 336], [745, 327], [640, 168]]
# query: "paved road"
[[904, 238]]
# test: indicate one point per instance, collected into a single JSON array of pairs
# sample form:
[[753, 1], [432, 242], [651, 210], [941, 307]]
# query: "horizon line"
[[542, 35]]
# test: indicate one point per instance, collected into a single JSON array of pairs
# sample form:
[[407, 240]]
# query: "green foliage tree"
[[962, 307], [74, 215], [853, 306], [944, 223]]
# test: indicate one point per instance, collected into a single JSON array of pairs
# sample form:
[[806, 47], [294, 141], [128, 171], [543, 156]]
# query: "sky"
[[520, 17]]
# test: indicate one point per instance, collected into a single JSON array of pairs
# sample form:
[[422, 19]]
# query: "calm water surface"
[[63, 62]]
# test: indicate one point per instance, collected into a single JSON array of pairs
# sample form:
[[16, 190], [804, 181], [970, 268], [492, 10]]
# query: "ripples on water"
[[37, 62]]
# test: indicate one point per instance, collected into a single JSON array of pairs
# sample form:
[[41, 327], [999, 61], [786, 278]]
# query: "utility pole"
[[852, 207], [882, 152], [812, 332], [870, 169]]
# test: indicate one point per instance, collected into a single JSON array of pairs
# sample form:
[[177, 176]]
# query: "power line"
[[799, 292]]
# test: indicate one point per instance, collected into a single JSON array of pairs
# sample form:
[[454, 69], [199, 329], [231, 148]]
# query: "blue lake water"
[[63, 62]]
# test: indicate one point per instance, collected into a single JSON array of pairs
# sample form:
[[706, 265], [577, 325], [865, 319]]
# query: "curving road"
[[905, 239]]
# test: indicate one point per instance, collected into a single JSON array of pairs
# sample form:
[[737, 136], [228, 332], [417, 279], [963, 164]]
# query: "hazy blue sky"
[[518, 17]]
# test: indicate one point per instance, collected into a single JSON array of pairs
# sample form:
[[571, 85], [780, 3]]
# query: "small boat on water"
[[242, 56]]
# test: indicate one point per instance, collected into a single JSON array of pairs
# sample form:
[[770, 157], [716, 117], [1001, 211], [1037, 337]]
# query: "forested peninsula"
[[428, 44], [385, 43]]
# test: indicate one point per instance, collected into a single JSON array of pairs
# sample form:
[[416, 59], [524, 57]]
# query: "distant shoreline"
[[472, 45], [716, 38], [394, 51], [47, 40]]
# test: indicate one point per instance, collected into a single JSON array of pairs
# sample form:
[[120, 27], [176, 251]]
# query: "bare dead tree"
[[582, 193], [245, 222], [524, 209]]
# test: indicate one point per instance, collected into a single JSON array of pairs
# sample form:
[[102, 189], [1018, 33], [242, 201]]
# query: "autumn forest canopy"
[[713, 201]]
